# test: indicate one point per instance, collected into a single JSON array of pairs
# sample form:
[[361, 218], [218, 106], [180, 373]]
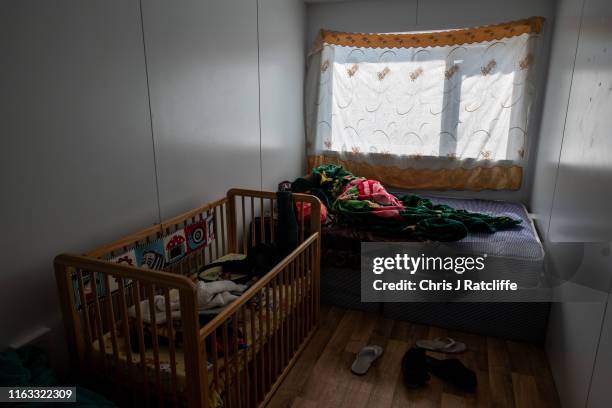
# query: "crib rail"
[[277, 316], [253, 213], [216, 211], [236, 358], [106, 328]]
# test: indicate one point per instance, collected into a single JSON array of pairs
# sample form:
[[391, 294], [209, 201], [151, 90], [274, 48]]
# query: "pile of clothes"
[[366, 203]]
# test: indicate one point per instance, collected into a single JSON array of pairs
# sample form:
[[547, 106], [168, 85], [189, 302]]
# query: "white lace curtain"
[[453, 115]]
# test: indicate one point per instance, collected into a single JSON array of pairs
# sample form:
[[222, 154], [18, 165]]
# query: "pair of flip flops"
[[417, 365], [365, 358]]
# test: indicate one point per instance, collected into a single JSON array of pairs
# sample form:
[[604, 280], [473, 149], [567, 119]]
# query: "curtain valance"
[[532, 25]]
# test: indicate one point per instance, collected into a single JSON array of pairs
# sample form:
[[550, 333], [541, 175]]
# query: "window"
[[439, 101], [451, 102]]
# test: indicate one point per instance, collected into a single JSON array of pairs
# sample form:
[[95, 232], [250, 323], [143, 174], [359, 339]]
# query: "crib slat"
[[215, 354], [171, 347], [155, 340], [208, 249], [223, 209], [226, 364], [245, 358], [141, 343], [309, 288], [303, 294], [199, 255], [85, 312], [123, 312], [313, 316], [286, 305], [271, 220], [269, 309], [293, 307], [288, 318], [262, 227], [254, 354], [316, 266], [299, 311], [296, 307], [205, 373], [110, 315], [252, 222], [277, 311], [215, 231], [302, 203], [235, 358], [98, 320], [244, 229], [261, 340]]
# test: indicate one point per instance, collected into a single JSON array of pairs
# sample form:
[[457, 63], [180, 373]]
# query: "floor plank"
[[510, 374]]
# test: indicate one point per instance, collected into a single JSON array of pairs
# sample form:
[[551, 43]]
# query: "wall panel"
[[76, 158], [202, 60], [581, 210], [281, 34]]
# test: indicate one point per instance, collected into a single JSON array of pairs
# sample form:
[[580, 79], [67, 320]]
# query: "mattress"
[[518, 242], [515, 254]]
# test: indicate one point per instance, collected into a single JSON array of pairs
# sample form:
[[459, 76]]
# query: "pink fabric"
[[385, 205], [374, 191]]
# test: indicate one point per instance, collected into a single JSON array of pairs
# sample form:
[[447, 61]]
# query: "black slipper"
[[415, 368], [452, 371]]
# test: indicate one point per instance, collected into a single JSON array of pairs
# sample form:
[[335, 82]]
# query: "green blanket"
[[409, 215]]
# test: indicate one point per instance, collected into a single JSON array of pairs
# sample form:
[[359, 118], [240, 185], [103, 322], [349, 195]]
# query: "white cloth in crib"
[[212, 297]]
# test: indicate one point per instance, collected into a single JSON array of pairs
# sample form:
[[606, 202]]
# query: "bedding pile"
[[366, 203]]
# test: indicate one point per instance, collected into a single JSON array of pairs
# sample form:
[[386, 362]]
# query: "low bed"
[[517, 253]]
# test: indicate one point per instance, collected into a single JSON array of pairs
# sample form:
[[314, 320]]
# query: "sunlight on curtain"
[[453, 115]]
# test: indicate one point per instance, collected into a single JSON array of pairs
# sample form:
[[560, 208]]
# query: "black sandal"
[[414, 366], [452, 371]]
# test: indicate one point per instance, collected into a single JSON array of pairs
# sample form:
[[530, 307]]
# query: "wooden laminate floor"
[[510, 374]]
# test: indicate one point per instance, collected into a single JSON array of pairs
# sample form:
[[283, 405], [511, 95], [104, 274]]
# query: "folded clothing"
[[218, 294], [212, 296], [159, 308]]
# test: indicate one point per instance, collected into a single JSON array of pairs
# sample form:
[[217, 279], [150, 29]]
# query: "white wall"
[[202, 60], [585, 166], [77, 159], [573, 166], [78, 155], [410, 15], [205, 96], [282, 29]]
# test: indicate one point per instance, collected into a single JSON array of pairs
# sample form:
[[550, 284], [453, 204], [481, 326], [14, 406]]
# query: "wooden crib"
[[236, 359]]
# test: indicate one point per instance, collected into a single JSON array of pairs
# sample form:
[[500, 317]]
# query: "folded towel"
[[159, 306], [211, 295], [218, 294]]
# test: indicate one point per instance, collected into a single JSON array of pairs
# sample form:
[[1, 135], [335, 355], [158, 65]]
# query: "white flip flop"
[[365, 358], [446, 345]]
